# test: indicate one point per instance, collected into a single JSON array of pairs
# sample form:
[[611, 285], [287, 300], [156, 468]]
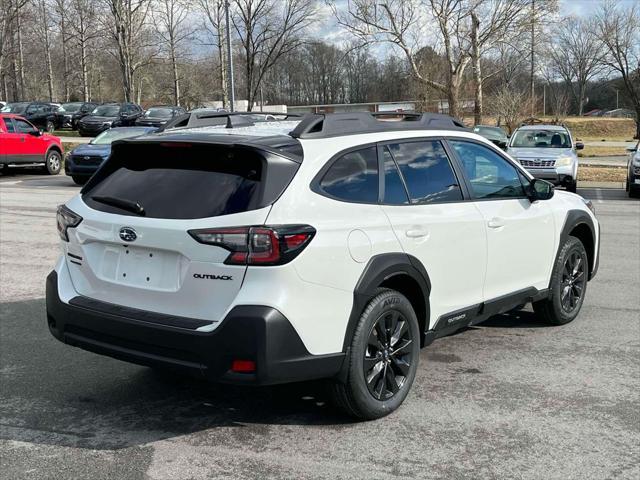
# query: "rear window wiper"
[[122, 203]]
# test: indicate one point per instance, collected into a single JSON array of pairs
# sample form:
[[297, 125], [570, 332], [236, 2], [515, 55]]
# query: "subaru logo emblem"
[[86, 158], [128, 234]]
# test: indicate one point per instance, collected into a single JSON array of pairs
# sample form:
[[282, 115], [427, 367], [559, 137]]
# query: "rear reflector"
[[243, 366], [268, 245]]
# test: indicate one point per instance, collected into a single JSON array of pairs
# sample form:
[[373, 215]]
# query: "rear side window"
[[394, 190], [427, 171], [186, 182], [353, 177]]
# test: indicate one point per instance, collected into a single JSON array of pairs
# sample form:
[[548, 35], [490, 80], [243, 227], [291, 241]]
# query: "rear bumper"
[[258, 333]]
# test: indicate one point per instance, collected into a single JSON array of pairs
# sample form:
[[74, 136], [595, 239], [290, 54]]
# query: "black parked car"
[[159, 115], [41, 114], [70, 113], [109, 115], [494, 134]]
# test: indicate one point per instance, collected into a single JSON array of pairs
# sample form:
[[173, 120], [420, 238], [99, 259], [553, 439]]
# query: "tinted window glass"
[[205, 182], [353, 177], [22, 126], [394, 191], [491, 175], [9, 124], [426, 171]]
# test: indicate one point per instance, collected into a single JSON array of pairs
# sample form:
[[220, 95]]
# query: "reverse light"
[[268, 245], [66, 219]]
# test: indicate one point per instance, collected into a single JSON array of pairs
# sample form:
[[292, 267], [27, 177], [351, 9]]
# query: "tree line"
[[478, 56]]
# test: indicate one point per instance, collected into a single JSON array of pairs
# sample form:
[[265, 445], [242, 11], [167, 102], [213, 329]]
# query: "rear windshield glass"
[[179, 182]]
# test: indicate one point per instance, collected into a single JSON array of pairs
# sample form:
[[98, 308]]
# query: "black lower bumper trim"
[[257, 333]]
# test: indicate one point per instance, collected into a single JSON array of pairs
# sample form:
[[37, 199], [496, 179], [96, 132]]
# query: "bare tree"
[[61, 9], [618, 29], [170, 18], [511, 105], [84, 30], [465, 29], [214, 25], [45, 29], [128, 28], [268, 29], [577, 55]]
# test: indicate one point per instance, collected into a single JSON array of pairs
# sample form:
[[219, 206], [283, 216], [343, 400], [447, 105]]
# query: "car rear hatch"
[[133, 247]]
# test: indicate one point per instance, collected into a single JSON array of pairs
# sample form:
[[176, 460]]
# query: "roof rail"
[[339, 124]]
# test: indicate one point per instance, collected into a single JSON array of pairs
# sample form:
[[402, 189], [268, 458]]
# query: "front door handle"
[[416, 233], [496, 222]]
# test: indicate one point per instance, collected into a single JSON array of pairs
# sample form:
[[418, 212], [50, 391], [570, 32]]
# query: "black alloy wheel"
[[387, 358], [573, 279]]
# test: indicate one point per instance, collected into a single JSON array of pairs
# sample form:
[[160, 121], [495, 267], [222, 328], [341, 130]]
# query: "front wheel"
[[79, 180], [572, 186], [50, 126], [383, 358], [53, 162], [568, 285]]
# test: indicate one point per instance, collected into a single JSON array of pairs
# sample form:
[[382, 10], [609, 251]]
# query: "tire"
[[390, 366], [572, 187], [49, 126], [568, 285], [53, 162], [78, 180], [634, 192]]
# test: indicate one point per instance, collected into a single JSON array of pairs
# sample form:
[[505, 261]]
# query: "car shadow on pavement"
[[33, 177], [515, 319], [57, 394]]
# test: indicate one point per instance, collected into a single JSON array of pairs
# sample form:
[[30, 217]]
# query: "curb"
[[601, 184]]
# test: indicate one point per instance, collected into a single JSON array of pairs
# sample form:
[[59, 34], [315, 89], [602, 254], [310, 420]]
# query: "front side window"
[[353, 177], [427, 171], [491, 176], [9, 124], [22, 126]]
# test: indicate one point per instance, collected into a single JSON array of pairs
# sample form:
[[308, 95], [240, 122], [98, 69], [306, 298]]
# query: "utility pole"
[[232, 96], [533, 45]]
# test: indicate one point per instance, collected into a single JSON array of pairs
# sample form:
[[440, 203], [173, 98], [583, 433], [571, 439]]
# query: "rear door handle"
[[416, 233], [496, 222]]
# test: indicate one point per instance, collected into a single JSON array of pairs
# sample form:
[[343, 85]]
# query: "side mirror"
[[541, 190], [579, 145], [35, 133]]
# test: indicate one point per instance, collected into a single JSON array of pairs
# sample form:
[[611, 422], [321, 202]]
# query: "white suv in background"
[[334, 247], [547, 152]]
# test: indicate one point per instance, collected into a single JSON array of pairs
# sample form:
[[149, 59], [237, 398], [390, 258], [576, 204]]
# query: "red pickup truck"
[[23, 144]]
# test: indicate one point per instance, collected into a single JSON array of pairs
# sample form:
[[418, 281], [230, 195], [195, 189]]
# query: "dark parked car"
[[70, 113], [109, 115], [633, 171], [493, 134], [41, 114], [85, 159], [159, 115]]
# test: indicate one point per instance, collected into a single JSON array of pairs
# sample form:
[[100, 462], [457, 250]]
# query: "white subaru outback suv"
[[261, 255]]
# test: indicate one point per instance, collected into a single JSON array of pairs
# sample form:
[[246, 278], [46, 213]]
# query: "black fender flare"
[[378, 269], [573, 219]]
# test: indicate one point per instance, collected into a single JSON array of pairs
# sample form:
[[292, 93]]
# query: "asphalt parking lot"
[[511, 398]]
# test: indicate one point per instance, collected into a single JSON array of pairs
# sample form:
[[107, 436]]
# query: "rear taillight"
[[66, 219], [269, 245]]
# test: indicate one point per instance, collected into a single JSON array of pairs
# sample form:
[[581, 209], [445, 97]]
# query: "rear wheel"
[[568, 285], [78, 180], [383, 358], [53, 162]]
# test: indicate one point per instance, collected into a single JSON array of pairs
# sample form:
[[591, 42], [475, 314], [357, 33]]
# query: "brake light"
[[66, 219], [268, 245]]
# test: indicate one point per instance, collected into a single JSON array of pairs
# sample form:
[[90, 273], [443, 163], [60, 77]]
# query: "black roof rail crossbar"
[[240, 114], [337, 124]]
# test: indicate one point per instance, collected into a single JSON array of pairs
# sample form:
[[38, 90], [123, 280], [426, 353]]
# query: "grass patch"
[[601, 174], [66, 133], [597, 151], [68, 146]]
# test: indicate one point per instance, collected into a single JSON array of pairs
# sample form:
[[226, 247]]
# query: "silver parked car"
[[547, 152]]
